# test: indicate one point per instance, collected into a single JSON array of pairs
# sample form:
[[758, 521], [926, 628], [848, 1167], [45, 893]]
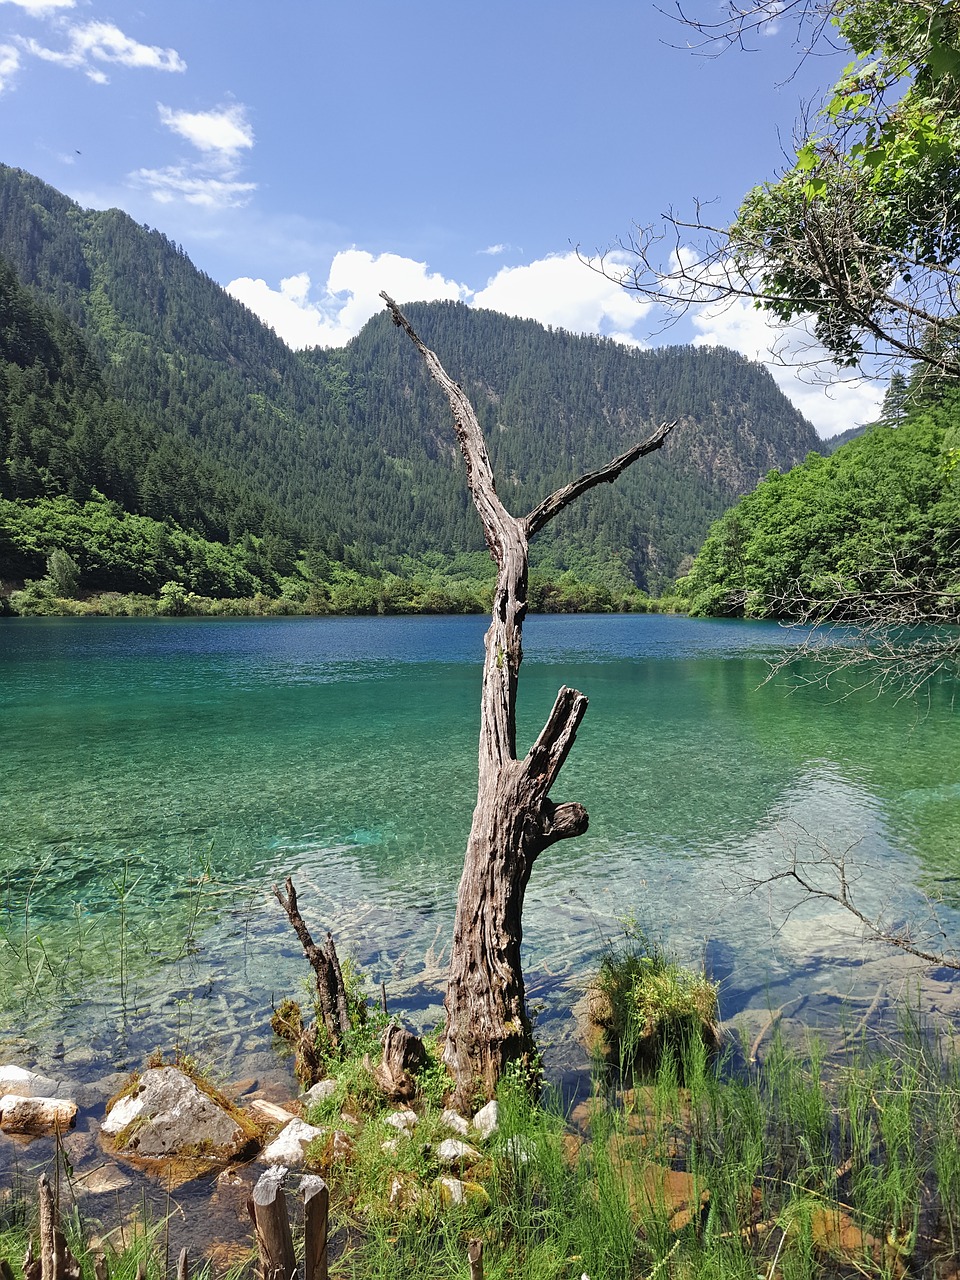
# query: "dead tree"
[[515, 820]]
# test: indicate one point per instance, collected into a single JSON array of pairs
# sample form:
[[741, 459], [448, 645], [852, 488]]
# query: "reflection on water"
[[157, 776]]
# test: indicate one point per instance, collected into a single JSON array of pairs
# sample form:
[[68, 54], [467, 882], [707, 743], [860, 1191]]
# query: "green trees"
[[862, 232], [875, 526]]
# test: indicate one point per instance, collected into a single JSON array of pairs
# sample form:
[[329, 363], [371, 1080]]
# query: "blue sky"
[[307, 154]]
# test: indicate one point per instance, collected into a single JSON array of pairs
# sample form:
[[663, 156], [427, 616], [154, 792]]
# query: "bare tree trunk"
[[514, 819]]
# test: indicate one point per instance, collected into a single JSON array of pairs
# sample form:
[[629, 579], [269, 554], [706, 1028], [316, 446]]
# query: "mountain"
[[351, 451]]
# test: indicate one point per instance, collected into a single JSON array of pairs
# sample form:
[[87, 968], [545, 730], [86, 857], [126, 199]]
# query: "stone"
[[486, 1121], [453, 1191], [167, 1114], [102, 1180], [322, 1089], [25, 1084], [36, 1116], [403, 1120], [453, 1152], [289, 1145], [453, 1120]]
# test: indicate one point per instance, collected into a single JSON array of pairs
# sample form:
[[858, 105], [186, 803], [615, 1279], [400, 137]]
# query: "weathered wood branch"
[[552, 506], [331, 989], [514, 819], [480, 477]]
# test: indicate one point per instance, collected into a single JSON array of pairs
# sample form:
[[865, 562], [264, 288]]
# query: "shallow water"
[[157, 776]]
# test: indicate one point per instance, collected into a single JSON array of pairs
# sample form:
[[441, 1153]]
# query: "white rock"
[[290, 1143], [453, 1190], [453, 1120], [322, 1089], [391, 1146], [173, 1115], [36, 1115], [454, 1152], [25, 1084], [520, 1149], [487, 1119], [402, 1120]]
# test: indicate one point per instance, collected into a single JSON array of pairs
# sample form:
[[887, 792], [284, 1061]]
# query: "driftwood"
[[316, 1212], [515, 819], [268, 1209]]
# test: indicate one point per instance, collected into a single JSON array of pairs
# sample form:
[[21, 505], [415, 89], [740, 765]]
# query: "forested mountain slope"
[[353, 447], [880, 518]]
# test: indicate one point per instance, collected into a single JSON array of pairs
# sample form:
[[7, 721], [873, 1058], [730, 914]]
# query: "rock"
[[390, 1147], [402, 1120], [453, 1191], [289, 1145], [270, 1112], [25, 1084], [100, 1181], [520, 1149], [453, 1152], [669, 1194], [36, 1116], [167, 1114], [486, 1121], [322, 1089], [453, 1120]]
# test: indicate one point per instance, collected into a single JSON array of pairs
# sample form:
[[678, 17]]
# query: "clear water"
[[157, 777]]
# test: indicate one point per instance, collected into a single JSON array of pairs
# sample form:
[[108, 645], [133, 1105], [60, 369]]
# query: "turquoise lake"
[[158, 776]]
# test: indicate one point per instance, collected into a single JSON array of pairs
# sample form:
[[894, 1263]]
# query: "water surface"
[[158, 776]]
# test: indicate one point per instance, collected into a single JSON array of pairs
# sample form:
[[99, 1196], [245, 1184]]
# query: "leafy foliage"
[[880, 517]]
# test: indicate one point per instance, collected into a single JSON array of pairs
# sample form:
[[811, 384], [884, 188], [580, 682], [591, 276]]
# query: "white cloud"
[[560, 290], [9, 64], [103, 42], [222, 132], [346, 302], [179, 181], [41, 6], [798, 363], [493, 250]]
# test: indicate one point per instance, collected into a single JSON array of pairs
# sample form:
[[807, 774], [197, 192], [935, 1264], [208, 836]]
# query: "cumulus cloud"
[[9, 64], [102, 42], [798, 364], [351, 295], [221, 133], [180, 182], [560, 290]]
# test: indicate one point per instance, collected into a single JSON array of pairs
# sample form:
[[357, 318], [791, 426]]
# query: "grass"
[[806, 1166]]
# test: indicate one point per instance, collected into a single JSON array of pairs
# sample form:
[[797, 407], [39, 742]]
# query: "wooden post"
[[268, 1208], [316, 1213], [475, 1258], [56, 1260], [182, 1273]]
